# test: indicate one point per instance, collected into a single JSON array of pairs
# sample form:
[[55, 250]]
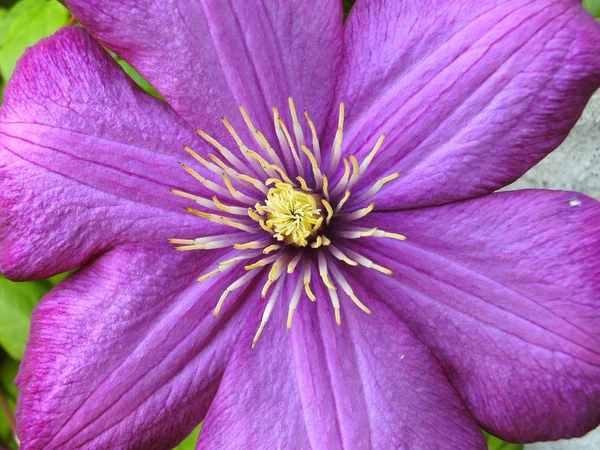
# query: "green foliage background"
[[22, 24]]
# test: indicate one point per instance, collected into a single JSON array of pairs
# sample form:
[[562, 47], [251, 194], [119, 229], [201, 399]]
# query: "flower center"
[[279, 206], [294, 216]]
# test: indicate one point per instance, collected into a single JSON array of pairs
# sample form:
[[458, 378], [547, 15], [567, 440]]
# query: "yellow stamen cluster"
[[280, 212], [292, 215]]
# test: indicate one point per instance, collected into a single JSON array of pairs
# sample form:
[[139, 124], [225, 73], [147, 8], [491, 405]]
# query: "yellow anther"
[[292, 147], [261, 263], [371, 155], [182, 241], [235, 193], [254, 182], [260, 243], [293, 263], [271, 248], [339, 136], [303, 184], [208, 275], [315, 138], [314, 164], [229, 209], [318, 242], [239, 226], [343, 200], [329, 211], [325, 187], [309, 293]]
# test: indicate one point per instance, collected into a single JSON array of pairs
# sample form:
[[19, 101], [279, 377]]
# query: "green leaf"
[[26, 23], [8, 390], [16, 303], [60, 277], [498, 444], [189, 443], [8, 372], [593, 6], [140, 80]]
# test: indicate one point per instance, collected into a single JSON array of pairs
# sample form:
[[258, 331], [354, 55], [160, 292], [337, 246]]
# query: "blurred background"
[[574, 166]]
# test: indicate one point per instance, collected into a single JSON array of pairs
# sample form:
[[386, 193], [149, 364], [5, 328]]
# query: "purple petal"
[[504, 290], [126, 353], [87, 160], [366, 384], [208, 57], [470, 94]]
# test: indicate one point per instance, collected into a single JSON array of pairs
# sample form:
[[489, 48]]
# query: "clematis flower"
[[361, 286]]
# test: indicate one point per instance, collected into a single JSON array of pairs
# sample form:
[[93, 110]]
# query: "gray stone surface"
[[574, 166]]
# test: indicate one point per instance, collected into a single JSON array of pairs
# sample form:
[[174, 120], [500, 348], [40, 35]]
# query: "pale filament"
[[281, 215]]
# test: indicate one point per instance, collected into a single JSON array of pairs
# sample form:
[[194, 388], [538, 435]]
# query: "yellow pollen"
[[293, 216]]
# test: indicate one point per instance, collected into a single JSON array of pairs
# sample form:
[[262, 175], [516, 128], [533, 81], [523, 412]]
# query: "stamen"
[[348, 289], [224, 265], [358, 214], [329, 211], [254, 182], [270, 169], [182, 241], [366, 262], [318, 242], [371, 155], [222, 167], [260, 139], [335, 301], [344, 180], [355, 171], [337, 143], [341, 255], [283, 145], [233, 160], [245, 255], [220, 219], [355, 233], [215, 243], [325, 186], [242, 147], [237, 194], [386, 234], [236, 210], [294, 302], [303, 184], [261, 263], [376, 188], [342, 201], [306, 279], [267, 311], [271, 248], [293, 263], [217, 189], [201, 160], [315, 138], [315, 167], [296, 124], [200, 200], [276, 271], [259, 243], [242, 281], [292, 147], [323, 271]]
